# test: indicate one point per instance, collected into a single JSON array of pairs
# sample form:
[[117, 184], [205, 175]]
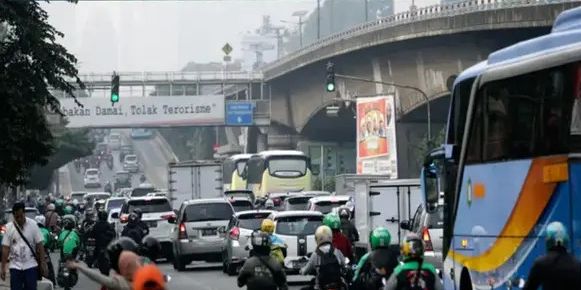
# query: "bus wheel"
[[465, 280]]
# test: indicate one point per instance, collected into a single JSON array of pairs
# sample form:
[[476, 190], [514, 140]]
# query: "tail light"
[[124, 218], [277, 201], [235, 233], [182, 235], [2, 229], [427, 240], [168, 216]]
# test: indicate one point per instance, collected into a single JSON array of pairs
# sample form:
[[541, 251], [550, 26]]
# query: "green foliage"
[[32, 63], [425, 146], [329, 184]]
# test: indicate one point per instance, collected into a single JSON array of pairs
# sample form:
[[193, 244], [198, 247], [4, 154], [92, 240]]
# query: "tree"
[[425, 146], [32, 64]]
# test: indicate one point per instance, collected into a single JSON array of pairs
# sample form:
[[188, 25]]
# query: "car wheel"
[[231, 269], [178, 264]]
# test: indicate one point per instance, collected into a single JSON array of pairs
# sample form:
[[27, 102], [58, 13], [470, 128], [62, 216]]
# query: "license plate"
[[151, 224], [209, 232]]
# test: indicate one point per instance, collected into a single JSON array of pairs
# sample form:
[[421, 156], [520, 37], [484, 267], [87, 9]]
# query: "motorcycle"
[[89, 254], [66, 278]]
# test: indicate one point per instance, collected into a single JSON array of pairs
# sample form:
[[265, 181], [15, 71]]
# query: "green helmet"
[[556, 235], [380, 238], [68, 209], [59, 202], [332, 220]]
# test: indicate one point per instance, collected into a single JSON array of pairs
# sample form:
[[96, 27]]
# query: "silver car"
[[429, 227], [196, 235], [241, 225]]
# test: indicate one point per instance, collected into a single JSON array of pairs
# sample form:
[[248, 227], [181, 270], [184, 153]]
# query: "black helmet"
[[344, 213], [150, 248], [68, 222], [138, 212], [102, 215], [260, 241], [116, 247], [66, 278], [133, 217]]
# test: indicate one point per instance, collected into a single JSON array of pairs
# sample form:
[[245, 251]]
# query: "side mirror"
[[429, 177], [405, 225], [115, 215]]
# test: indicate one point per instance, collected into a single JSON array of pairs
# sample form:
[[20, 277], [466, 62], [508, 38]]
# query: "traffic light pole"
[[424, 95]]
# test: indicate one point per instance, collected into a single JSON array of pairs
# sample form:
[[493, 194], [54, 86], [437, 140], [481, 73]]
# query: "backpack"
[[329, 268], [416, 279], [135, 233]]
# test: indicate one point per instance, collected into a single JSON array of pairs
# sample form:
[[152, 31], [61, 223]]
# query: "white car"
[[114, 141], [78, 195], [157, 214], [114, 203], [92, 178], [297, 230], [326, 204], [130, 163]]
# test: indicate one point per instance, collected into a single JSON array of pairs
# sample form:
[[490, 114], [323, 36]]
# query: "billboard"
[[376, 144], [155, 111]]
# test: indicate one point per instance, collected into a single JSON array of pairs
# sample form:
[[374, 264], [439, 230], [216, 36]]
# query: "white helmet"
[[40, 219], [269, 204], [75, 202], [51, 207], [323, 234]]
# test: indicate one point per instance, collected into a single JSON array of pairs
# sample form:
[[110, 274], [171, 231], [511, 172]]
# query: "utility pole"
[[366, 10], [319, 19]]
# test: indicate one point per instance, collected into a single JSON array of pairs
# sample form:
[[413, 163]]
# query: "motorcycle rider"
[[69, 240], [127, 265], [133, 229], [347, 226], [142, 178], [558, 269], [140, 222], [414, 272], [150, 249], [326, 262], [278, 246], [261, 271], [269, 204], [52, 218], [340, 241], [60, 206], [377, 264], [47, 240], [103, 233]]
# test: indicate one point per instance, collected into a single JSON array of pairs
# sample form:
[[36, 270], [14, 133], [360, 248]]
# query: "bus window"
[[522, 117], [255, 169], [227, 168], [287, 166]]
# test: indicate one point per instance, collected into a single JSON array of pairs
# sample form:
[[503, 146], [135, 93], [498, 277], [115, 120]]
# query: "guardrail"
[[144, 77], [429, 12]]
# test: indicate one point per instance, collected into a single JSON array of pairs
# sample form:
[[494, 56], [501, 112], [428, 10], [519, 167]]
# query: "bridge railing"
[[144, 77], [429, 12]]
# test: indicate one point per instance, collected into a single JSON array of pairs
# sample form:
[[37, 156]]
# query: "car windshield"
[[241, 205], [92, 172], [287, 166], [208, 212], [142, 191], [130, 158], [114, 203], [252, 221], [78, 196], [123, 175], [149, 206], [297, 203], [435, 220], [29, 212], [326, 207], [298, 225]]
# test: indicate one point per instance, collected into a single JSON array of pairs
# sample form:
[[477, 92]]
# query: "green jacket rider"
[[69, 240]]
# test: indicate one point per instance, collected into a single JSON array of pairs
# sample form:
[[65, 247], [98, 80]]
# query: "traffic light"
[[330, 82], [115, 88]]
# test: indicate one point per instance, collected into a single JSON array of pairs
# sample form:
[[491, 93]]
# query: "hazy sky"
[[165, 35]]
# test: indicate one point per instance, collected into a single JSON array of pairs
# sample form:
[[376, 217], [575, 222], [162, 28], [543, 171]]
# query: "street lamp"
[[300, 14]]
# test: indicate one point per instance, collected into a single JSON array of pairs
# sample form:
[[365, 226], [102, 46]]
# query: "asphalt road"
[[198, 275]]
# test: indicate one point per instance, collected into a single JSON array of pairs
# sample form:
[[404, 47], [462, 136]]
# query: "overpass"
[[423, 48]]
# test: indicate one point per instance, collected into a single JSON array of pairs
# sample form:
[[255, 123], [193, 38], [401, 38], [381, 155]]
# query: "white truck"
[[380, 201], [196, 179]]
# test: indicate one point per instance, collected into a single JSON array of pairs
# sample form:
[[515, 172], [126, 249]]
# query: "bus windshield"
[[241, 166], [287, 166]]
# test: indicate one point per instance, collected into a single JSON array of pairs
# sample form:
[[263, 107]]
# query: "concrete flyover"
[[422, 48]]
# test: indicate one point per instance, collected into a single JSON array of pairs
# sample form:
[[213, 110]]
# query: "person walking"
[[23, 243]]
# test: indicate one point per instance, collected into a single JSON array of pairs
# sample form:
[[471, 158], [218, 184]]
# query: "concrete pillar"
[[262, 142]]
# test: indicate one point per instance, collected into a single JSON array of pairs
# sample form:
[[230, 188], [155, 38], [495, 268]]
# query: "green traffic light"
[[330, 87], [114, 98]]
